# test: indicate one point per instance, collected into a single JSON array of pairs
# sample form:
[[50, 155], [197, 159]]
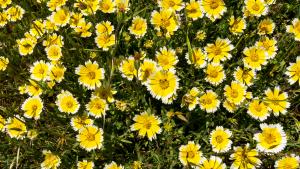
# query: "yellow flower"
[[105, 92], [163, 85], [190, 99], [51, 160], [55, 4], [4, 3], [219, 139], [258, 110], [288, 162], [37, 29], [219, 51], [105, 41], [97, 107], [122, 5], [193, 10], [53, 52], [146, 69], [57, 73], [2, 123], [32, 134], [277, 101], [26, 46], [16, 128], [200, 35], [90, 138], [121, 105], [113, 165], [245, 158], [266, 26], [237, 25], [174, 5], [245, 76], [67, 103], [107, 6], [104, 27], [257, 7], [137, 165], [60, 17], [209, 101], [3, 18], [198, 58], [190, 154], [293, 71], [80, 122], [214, 74], [50, 26], [235, 93], [146, 124], [90, 74], [214, 9], [76, 18], [212, 163], [294, 28], [230, 106], [15, 13], [83, 28], [33, 89], [40, 71], [3, 63], [138, 27], [53, 39], [255, 57], [166, 58], [272, 139], [269, 45], [33, 107], [85, 164], [165, 20], [127, 68], [87, 7]]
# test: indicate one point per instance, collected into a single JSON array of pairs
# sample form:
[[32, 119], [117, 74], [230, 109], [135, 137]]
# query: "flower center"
[[217, 51], [258, 108], [90, 137], [207, 101], [254, 57], [164, 83], [193, 10], [105, 6], [255, 7], [69, 104], [34, 108], [147, 125], [234, 93], [219, 139], [138, 26], [270, 138], [171, 3], [213, 73], [41, 71], [190, 154], [91, 75], [62, 17], [214, 4], [166, 22]]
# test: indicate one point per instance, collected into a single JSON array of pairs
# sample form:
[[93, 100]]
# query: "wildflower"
[[190, 99], [105, 92], [198, 58], [146, 69], [60, 17], [107, 6], [3, 19], [266, 26], [97, 107], [294, 28], [269, 45], [51, 161], [293, 71], [53, 52], [26, 46], [33, 107], [165, 20], [33, 89], [200, 35], [220, 139], [83, 28], [105, 41], [166, 58], [76, 18], [219, 51], [4, 3], [258, 110], [288, 162], [104, 27], [55, 4], [193, 10], [53, 39], [174, 5], [237, 25], [231, 107], [2, 123], [87, 7], [138, 27], [235, 93], [209, 101], [90, 138], [245, 76], [80, 122], [127, 68], [277, 101], [256, 7], [137, 165], [32, 134], [40, 71], [146, 124], [15, 13], [255, 58], [244, 157], [212, 163], [214, 9], [190, 154], [113, 165], [85, 164], [67, 103], [214, 74], [16, 128], [3, 63], [57, 73]]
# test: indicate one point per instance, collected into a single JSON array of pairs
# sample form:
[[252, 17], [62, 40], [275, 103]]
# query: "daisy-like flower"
[[15, 13], [294, 28], [257, 7], [197, 58], [255, 57], [146, 124], [97, 107], [146, 69], [85, 164], [90, 74], [105, 92], [51, 161], [113, 165], [53, 39], [219, 51], [3, 63], [288, 162], [26, 46], [53, 52], [245, 158], [16, 128], [79, 122], [209, 101], [235, 93], [33, 107], [245, 76], [127, 68], [212, 163], [76, 17], [220, 139], [293, 71], [174, 5], [57, 73], [163, 85], [3, 19], [37, 29], [214, 74], [237, 25], [67, 103], [165, 20], [83, 28], [231, 107], [258, 110], [190, 154], [193, 10], [266, 26], [277, 100], [2, 123], [40, 71], [122, 5], [214, 9], [104, 27], [269, 45], [272, 139], [50, 26], [190, 99], [55, 4], [60, 17], [33, 89], [107, 6], [4, 3], [138, 26], [87, 7], [166, 58], [105, 41], [90, 138]]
